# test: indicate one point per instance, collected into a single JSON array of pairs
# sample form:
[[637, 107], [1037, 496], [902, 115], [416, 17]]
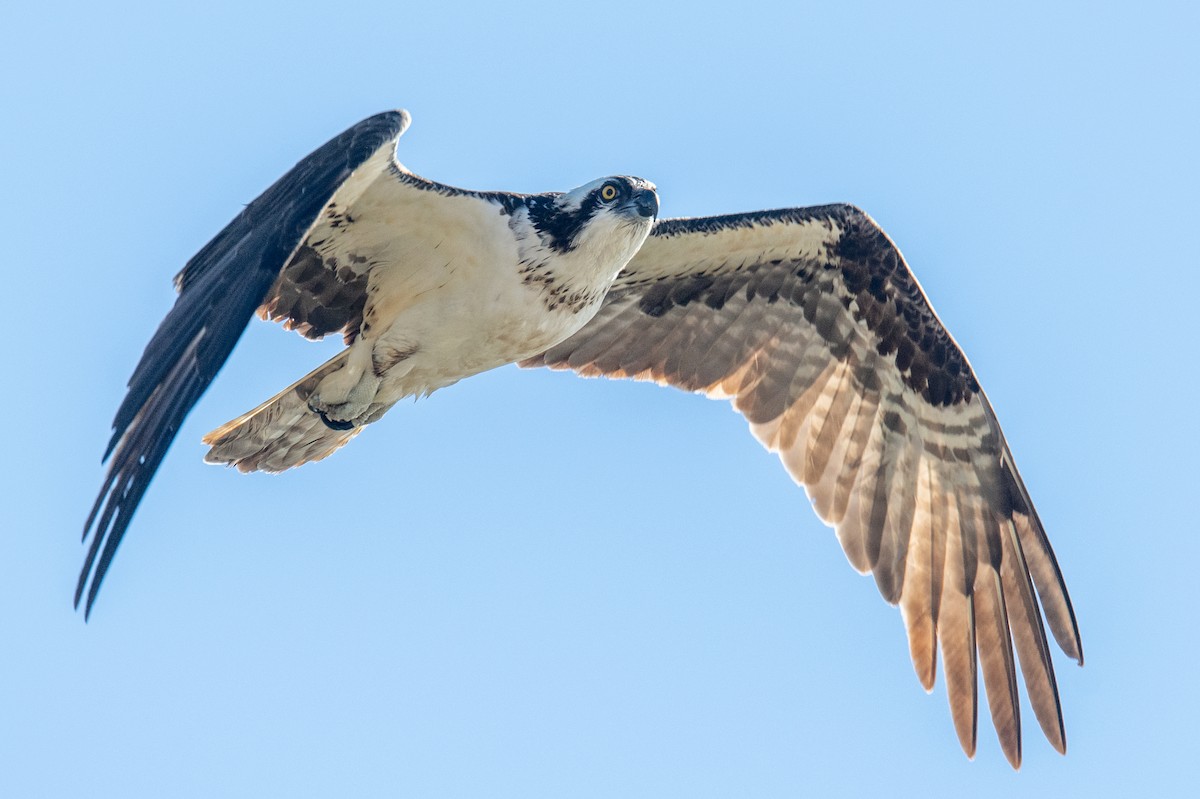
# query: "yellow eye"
[[608, 193]]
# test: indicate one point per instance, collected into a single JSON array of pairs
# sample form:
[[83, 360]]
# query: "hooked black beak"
[[646, 201]]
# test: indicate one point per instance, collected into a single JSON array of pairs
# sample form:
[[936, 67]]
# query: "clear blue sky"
[[535, 585]]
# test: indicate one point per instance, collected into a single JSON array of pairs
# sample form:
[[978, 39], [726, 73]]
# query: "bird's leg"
[[344, 397]]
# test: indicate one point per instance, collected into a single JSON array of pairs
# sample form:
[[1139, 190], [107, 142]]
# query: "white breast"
[[446, 284]]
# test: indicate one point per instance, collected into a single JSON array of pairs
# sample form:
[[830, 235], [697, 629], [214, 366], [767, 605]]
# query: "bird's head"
[[608, 218]]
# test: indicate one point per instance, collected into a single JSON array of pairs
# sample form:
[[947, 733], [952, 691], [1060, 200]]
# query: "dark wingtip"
[[81, 584], [97, 579], [91, 597]]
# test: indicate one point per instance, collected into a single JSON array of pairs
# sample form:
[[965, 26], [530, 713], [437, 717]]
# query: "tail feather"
[[282, 432]]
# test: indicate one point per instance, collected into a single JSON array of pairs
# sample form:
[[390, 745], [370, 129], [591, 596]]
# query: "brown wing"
[[811, 322]]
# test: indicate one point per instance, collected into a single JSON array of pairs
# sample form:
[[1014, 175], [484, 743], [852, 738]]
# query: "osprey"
[[807, 318]]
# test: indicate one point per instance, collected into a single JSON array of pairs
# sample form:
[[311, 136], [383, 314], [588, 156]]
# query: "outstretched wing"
[[264, 259], [811, 322]]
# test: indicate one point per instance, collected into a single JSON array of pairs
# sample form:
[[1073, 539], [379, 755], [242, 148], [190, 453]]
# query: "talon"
[[333, 424]]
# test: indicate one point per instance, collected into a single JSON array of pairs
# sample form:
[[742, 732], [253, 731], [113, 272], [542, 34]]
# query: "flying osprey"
[[807, 318]]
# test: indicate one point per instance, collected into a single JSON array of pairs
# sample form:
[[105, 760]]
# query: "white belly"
[[461, 319]]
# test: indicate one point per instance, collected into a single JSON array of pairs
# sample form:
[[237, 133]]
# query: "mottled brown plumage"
[[316, 295]]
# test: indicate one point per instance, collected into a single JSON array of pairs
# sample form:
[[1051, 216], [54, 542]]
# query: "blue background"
[[536, 585]]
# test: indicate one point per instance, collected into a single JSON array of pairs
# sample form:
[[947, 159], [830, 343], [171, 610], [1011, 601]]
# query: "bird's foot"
[[342, 409], [333, 424]]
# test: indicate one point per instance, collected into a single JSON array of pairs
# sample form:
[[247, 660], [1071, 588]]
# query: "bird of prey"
[[808, 319]]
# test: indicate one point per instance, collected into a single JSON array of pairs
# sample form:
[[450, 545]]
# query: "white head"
[[606, 220]]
